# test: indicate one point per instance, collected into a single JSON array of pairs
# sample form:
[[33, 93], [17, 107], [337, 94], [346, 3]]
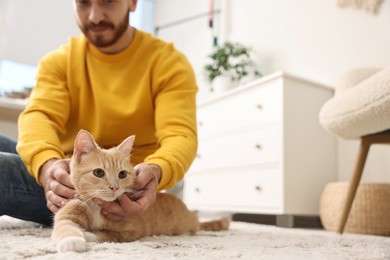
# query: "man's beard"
[[99, 41]]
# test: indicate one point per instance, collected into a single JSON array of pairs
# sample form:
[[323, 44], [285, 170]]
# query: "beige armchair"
[[360, 109]]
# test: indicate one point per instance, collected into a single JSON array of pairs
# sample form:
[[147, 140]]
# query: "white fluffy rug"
[[25, 240]]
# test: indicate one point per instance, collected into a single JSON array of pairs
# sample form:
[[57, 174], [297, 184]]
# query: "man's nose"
[[96, 14]]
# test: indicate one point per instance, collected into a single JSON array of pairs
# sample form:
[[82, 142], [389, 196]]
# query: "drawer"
[[257, 146], [247, 191], [253, 106]]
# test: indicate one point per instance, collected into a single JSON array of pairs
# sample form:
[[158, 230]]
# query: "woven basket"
[[370, 212]]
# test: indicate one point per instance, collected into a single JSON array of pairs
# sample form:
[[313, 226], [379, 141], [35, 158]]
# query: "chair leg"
[[354, 183]]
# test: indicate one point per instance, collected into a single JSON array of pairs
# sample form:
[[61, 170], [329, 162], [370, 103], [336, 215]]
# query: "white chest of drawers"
[[262, 150]]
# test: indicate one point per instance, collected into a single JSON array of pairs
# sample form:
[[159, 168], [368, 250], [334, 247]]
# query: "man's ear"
[[133, 5]]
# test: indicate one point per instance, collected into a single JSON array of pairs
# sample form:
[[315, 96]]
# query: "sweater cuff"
[[167, 181], [39, 160]]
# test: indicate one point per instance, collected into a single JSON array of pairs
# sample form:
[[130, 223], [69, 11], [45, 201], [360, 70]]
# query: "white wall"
[[30, 29], [313, 39]]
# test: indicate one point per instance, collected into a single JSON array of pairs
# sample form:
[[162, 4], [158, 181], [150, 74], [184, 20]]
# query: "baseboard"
[[280, 220]]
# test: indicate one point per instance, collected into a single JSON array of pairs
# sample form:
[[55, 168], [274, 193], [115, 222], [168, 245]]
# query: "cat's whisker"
[[99, 193], [87, 198], [80, 203], [88, 194]]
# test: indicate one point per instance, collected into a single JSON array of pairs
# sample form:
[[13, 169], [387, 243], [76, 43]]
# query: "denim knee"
[[7, 144], [20, 194]]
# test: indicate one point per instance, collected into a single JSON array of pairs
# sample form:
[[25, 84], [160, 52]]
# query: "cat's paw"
[[75, 244], [90, 237]]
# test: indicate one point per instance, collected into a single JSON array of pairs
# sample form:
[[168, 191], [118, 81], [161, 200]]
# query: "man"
[[113, 81]]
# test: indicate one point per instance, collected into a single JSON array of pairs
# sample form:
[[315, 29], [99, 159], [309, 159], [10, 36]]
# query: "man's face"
[[103, 21]]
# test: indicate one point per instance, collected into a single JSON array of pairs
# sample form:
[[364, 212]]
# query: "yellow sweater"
[[148, 90]]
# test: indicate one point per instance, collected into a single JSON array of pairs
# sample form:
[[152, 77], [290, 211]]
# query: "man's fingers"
[[112, 207], [111, 216], [54, 176], [144, 180], [112, 211], [61, 184], [53, 200], [147, 175], [63, 177], [53, 208], [135, 195], [121, 208], [132, 207], [61, 190]]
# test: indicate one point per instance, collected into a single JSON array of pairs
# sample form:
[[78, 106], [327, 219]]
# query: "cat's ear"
[[84, 143], [127, 145]]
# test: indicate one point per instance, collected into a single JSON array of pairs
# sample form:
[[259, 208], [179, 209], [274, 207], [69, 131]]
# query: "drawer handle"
[[259, 106], [200, 123], [258, 146], [198, 156], [197, 190], [258, 188]]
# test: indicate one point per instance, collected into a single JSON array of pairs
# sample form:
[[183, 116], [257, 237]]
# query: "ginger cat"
[[107, 174]]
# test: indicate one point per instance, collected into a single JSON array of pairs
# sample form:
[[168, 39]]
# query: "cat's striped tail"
[[215, 225]]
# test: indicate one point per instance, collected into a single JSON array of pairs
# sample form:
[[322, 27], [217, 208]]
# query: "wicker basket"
[[370, 212]]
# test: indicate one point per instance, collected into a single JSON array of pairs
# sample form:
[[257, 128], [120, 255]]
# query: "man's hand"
[[148, 177], [55, 179]]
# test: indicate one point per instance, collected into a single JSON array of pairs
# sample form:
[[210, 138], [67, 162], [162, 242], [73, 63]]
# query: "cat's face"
[[101, 173]]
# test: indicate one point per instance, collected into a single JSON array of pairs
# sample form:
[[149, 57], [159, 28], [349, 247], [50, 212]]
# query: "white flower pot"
[[222, 84]]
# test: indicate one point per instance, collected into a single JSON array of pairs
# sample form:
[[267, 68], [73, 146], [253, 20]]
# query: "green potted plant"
[[231, 61]]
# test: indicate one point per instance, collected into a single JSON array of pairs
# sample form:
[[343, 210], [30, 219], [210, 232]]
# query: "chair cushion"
[[361, 110], [353, 77]]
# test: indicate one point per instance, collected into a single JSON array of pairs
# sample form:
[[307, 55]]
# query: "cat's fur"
[[81, 221]]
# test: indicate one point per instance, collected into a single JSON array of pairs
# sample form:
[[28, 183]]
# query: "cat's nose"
[[114, 187]]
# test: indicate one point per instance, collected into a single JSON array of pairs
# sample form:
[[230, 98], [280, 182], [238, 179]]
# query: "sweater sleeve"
[[43, 120], [175, 117]]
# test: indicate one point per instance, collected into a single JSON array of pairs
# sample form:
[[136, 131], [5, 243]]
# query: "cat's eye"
[[98, 172], [122, 174]]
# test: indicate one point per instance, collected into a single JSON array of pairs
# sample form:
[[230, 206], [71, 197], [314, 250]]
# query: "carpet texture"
[[25, 240]]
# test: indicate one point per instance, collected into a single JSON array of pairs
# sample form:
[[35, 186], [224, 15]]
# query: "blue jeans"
[[20, 195]]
